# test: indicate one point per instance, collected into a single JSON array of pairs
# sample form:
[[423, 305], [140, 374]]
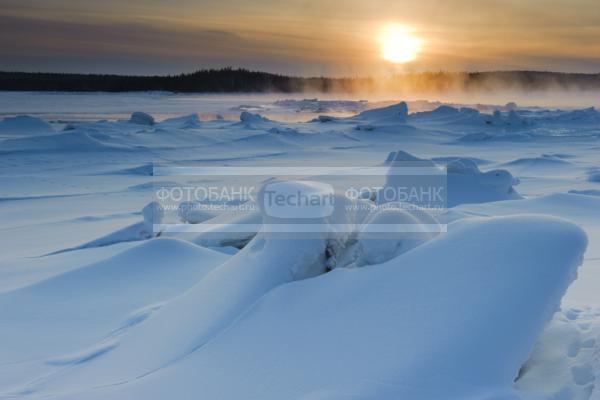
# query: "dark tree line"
[[227, 80]]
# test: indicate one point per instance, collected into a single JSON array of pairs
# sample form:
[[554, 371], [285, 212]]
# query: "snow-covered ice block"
[[402, 158], [141, 118], [254, 121], [396, 112], [24, 125], [375, 248], [467, 184], [183, 122]]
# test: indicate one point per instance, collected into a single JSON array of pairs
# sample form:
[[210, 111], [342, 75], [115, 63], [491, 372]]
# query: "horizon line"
[[347, 77]]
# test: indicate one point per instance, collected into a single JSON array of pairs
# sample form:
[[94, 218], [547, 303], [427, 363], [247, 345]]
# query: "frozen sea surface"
[[503, 303]]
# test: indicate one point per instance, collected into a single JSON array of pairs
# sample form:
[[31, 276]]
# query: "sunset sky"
[[303, 37]]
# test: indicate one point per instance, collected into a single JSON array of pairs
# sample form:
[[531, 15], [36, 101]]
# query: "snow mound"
[[326, 208], [254, 121], [398, 184], [396, 112], [447, 330], [468, 184], [24, 125], [183, 122], [94, 299], [374, 247], [446, 114], [214, 303], [141, 118], [444, 111], [462, 166]]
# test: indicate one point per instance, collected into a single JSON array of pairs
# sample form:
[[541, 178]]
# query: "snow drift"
[[23, 125], [467, 184], [195, 318], [448, 329]]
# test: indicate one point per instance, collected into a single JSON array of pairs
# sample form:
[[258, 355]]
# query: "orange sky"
[[303, 37]]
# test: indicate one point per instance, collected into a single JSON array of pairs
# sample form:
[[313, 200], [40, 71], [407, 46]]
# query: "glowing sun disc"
[[398, 45]]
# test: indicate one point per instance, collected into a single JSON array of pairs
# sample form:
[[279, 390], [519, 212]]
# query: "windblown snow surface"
[[504, 303]]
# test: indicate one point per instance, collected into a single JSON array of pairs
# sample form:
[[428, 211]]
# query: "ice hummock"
[[141, 118]]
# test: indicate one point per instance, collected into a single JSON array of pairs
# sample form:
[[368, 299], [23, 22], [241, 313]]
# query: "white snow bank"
[[455, 318], [95, 299], [141, 118], [192, 320], [24, 125], [467, 184]]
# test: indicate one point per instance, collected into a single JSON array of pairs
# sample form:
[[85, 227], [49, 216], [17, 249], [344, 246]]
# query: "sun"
[[398, 45]]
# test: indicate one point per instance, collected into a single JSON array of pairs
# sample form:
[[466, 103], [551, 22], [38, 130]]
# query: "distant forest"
[[229, 80]]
